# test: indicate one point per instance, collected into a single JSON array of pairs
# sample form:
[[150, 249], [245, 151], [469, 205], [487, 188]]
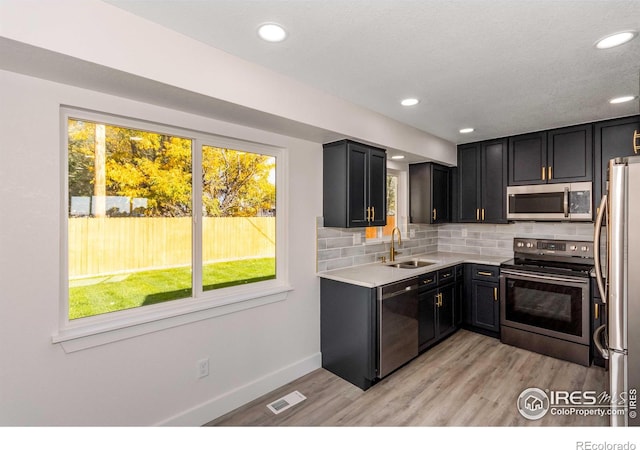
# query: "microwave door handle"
[[566, 202], [596, 249]]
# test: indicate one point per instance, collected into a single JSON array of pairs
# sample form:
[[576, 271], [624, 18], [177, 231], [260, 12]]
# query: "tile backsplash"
[[346, 247]]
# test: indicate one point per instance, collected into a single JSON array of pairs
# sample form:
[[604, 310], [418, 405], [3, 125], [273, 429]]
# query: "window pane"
[[392, 201], [129, 218], [239, 217]]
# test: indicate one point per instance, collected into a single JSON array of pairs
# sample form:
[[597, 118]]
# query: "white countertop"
[[379, 274]]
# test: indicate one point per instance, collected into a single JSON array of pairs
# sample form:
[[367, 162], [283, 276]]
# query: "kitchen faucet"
[[392, 251]]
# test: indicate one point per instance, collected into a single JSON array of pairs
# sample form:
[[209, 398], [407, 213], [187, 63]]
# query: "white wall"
[[150, 379], [97, 32]]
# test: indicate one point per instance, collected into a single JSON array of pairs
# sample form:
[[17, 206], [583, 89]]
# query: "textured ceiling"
[[502, 67]]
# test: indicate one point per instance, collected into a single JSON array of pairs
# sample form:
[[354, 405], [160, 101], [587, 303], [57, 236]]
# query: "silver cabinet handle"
[[596, 249]]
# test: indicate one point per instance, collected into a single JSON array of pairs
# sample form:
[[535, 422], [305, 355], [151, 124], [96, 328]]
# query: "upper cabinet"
[[429, 193], [482, 181], [613, 138], [354, 185], [564, 155]]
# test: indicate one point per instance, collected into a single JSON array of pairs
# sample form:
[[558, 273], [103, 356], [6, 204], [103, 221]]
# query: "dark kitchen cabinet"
[[483, 294], [436, 307], [482, 181], [612, 139], [459, 295], [427, 322], [354, 185], [429, 193], [348, 331], [564, 155]]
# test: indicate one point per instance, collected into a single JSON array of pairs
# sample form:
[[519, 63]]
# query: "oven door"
[[551, 305]]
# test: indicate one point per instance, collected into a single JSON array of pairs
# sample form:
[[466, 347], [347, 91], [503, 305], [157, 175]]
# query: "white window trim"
[[88, 332]]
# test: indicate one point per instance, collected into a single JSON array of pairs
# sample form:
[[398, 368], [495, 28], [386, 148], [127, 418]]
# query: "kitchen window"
[[396, 199], [156, 216]]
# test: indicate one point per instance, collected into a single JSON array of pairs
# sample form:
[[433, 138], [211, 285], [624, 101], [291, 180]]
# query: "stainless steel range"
[[545, 298]]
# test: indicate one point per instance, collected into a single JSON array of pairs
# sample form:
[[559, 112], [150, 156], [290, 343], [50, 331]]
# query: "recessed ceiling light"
[[409, 102], [626, 98], [272, 32], [397, 157], [467, 130], [613, 40]]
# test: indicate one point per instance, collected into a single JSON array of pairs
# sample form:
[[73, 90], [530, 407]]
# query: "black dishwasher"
[[397, 325]]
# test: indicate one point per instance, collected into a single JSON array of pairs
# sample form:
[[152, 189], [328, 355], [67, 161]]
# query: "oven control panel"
[[582, 249]]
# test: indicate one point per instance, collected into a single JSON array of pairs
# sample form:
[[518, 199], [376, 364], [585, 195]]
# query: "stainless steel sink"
[[413, 264]]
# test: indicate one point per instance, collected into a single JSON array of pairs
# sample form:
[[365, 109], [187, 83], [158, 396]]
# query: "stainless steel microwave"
[[559, 202]]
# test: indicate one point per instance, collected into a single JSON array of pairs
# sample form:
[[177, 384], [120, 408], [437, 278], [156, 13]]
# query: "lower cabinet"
[[348, 331], [438, 308], [482, 291]]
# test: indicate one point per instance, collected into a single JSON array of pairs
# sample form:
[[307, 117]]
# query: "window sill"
[[138, 323]]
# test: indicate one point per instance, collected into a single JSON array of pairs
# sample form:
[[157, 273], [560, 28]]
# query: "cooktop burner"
[[557, 268], [552, 256]]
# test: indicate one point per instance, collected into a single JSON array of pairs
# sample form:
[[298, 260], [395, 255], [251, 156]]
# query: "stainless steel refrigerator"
[[620, 287]]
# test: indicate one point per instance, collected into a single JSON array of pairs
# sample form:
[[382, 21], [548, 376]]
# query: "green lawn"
[[99, 295]]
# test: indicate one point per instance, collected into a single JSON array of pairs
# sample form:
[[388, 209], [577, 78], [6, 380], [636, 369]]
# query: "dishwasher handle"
[[404, 290]]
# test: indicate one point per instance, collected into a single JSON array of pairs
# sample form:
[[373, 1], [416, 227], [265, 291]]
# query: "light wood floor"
[[467, 380]]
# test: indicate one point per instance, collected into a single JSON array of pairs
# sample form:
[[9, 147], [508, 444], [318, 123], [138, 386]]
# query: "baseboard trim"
[[227, 402]]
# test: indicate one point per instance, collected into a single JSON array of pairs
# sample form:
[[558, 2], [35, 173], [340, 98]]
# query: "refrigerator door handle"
[[598, 341], [596, 249]]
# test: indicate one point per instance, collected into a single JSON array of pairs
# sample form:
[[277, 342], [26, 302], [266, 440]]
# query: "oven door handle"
[[544, 277], [565, 205]]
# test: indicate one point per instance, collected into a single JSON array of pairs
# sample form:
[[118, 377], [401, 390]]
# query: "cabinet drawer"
[[482, 272], [446, 275], [429, 280]]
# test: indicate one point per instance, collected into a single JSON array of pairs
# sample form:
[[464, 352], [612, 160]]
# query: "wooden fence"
[[125, 244]]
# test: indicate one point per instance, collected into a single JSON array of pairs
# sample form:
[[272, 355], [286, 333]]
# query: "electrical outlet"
[[203, 368], [464, 232], [412, 233], [357, 239]]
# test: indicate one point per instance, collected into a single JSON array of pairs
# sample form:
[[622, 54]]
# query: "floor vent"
[[286, 402]]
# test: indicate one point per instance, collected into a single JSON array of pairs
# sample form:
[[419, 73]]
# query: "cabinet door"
[[377, 180], [494, 181], [427, 331], [446, 309], [440, 195], [358, 185], [485, 306], [613, 138], [528, 159], [468, 182], [458, 303], [420, 193], [570, 155]]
